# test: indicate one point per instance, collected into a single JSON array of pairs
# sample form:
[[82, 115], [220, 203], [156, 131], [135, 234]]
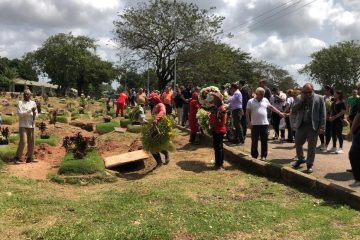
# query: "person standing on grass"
[[326, 137], [235, 105], [158, 111], [27, 112], [186, 95], [217, 120], [167, 99], [178, 103], [310, 122], [338, 110], [194, 106], [140, 98], [121, 103], [256, 116], [354, 152]]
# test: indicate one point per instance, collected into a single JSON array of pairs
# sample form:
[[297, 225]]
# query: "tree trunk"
[[80, 84]]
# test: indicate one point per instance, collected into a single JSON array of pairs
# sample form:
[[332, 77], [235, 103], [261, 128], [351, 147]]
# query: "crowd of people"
[[306, 115]]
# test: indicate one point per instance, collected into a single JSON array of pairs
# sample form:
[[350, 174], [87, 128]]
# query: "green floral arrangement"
[[128, 112], [203, 119], [135, 113], [158, 137]]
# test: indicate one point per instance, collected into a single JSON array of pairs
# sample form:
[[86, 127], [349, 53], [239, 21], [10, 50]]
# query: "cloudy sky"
[[284, 32]]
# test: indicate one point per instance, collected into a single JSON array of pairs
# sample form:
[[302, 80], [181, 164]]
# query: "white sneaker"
[[323, 148], [333, 150], [320, 146], [339, 151]]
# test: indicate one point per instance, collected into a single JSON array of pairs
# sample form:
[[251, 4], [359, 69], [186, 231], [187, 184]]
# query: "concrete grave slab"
[[124, 158], [120, 130]]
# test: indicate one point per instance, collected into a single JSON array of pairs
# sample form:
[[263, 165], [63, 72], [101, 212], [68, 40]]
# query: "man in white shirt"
[[256, 115], [27, 112]]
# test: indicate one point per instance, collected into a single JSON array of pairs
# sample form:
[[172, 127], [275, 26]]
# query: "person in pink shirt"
[[121, 102], [159, 111]]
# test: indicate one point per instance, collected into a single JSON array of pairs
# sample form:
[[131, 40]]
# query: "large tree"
[[213, 62], [337, 66], [70, 62], [160, 28], [21, 66], [276, 76]]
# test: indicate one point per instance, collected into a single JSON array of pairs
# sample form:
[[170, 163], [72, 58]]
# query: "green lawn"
[[104, 127], [92, 163], [7, 152], [201, 206], [52, 141], [8, 120]]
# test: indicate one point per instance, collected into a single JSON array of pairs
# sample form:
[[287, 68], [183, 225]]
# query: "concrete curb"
[[290, 176]]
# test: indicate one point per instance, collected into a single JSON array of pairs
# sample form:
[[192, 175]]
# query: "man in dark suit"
[[310, 122]]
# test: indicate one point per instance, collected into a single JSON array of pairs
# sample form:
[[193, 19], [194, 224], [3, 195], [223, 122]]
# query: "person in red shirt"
[[159, 111], [193, 123], [121, 102], [217, 121]]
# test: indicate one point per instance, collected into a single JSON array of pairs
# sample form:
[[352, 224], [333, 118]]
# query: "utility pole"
[[148, 77], [175, 50]]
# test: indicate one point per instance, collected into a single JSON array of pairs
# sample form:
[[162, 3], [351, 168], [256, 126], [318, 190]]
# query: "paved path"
[[327, 165]]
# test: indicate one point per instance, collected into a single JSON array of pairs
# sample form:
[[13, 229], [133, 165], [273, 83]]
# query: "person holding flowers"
[[217, 120], [159, 112]]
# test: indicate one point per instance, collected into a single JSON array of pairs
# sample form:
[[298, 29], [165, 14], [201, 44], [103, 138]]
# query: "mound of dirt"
[[136, 145]]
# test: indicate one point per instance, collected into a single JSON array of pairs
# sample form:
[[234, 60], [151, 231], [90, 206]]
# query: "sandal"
[[16, 160], [30, 160]]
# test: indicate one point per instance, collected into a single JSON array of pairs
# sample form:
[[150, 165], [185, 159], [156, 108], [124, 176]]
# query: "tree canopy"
[[337, 66], [13, 68], [213, 62], [275, 76], [160, 28], [71, 62]]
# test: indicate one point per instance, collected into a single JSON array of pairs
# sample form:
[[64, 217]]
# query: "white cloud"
[[287, 51], [286, 39]]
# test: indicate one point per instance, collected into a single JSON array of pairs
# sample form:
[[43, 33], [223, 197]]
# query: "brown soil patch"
[[48, 161]]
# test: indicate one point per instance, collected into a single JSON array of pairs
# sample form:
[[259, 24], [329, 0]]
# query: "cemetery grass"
[[182, 200]]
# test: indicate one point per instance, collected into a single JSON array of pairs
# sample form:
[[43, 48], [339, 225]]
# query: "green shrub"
[[125, 122], [103, 127], [42, 116], [112, 113], [14, 138], [8, 120], [92, 163], [134, 128], [85, 116], [74, 113], [7, 153], [52, 141], [97, 115], [62, 119]]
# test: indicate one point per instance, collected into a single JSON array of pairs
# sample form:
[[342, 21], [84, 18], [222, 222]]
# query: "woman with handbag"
[[338, 110]]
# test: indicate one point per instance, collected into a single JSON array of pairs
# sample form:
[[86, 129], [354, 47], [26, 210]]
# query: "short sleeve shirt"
[[352, 101], [277, 103], [337, 108], [258, 111]]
